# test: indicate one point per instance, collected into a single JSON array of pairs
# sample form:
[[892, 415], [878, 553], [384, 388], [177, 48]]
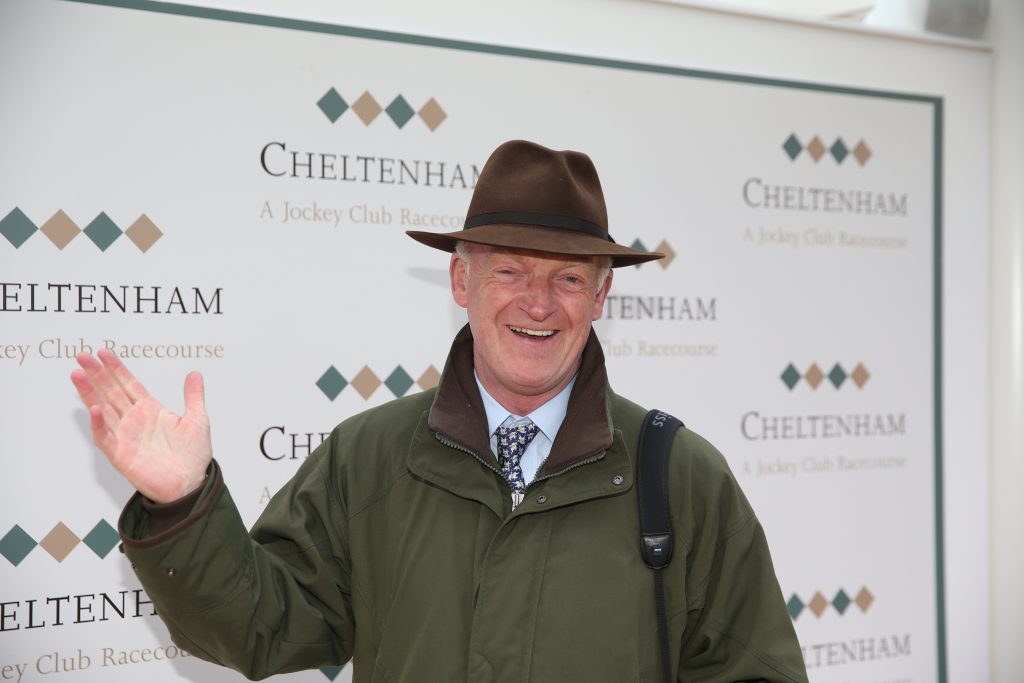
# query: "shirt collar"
[[547, 417]]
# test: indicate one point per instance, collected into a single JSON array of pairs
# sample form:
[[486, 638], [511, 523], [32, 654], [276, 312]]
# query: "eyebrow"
[[514, 254]]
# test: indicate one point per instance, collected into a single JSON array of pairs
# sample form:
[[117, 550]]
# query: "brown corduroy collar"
[[458, 412]]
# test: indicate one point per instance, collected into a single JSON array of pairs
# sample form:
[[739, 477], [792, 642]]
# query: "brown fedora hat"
[[532, 197]]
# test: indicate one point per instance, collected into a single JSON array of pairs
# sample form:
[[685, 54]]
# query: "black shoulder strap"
[[652, 484], [656, 437]]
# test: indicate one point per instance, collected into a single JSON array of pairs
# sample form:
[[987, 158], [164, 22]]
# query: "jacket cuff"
[[144, 523], [195, 564]]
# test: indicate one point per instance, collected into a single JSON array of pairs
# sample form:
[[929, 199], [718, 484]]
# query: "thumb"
[[195, 399]]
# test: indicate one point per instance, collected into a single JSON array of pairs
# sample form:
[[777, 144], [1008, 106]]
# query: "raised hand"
[[162, 454]]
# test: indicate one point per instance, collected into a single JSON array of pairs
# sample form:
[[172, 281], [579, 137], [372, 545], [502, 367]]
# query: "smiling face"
[[530, 313]]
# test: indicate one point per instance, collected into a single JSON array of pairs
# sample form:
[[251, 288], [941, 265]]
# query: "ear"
[[601, 295], [459, 278]]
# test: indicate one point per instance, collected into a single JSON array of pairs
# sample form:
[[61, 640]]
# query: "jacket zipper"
[[594, 458], [517, 498], [459, 447]]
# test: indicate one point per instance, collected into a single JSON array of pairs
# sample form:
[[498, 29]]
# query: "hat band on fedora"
[[547, 220]]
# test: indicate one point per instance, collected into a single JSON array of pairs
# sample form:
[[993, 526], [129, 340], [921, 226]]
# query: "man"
[[483, 531]]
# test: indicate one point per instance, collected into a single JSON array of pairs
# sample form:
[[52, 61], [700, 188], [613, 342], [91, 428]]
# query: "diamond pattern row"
[[663, 246], [60, 229], [819, 603], [16, 544], [366, 382], [366, 107], [815, 376], [816, 149]]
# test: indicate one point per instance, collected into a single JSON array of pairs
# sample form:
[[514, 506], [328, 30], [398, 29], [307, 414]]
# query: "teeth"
[[532, 333]]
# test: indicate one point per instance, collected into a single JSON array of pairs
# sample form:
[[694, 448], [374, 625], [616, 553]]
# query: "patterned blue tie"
[[512, 443]]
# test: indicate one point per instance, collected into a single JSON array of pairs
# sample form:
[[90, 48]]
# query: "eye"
[[573, 282]]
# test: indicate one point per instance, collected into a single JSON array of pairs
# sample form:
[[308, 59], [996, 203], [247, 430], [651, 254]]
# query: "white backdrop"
[[270, 279]]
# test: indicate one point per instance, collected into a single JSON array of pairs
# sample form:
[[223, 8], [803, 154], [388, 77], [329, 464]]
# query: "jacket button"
[[171, 571], [542, 499], [617, 479]]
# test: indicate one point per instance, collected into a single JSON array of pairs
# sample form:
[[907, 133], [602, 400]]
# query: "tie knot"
[[516, 437]]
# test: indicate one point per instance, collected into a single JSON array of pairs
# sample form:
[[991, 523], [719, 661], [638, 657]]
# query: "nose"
[[538, 298]]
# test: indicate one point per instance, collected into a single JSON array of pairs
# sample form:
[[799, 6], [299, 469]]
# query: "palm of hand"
[[162, 454]]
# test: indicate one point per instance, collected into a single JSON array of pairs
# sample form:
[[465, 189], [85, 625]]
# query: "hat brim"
[[536, 238]]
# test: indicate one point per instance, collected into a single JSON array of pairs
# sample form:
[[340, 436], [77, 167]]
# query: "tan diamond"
[[862, 152], [816, 148], [864, 599], [366, 382], [432, 114], [143, 233], [366, 108], [860, 375], [670, 254], [818, 604], [429, 379], [59, 542], [60, 229], [814, 375]]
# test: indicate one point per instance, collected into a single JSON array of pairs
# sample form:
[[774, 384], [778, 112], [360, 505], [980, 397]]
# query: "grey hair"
[[462, 251], [604, 268]]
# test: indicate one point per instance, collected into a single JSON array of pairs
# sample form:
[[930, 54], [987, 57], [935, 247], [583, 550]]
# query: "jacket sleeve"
[[737, 625], [272, 601]]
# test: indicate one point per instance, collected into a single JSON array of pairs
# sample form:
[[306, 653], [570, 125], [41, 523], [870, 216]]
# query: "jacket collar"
[[458, 413]]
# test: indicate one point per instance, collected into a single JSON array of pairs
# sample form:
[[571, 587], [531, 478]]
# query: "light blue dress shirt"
[[547, 417]]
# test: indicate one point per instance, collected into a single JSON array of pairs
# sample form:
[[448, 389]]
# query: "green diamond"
[[102, 539], [16, 545], [331, 671], [837, 375], [102, 231], [790, 376], [398, 382], [792, 146], [795, 607], [839, 150], [637, 244], [332, 105], [841, 601], [17, 227], [400, 111], [331, 383]]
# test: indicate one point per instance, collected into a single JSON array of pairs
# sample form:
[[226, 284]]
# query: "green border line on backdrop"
[[467, 46]]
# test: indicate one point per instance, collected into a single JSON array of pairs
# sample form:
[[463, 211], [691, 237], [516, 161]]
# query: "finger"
[[87, 362], [93, 397], [104, 383], [131, 386], [195, 397], [86, 391]]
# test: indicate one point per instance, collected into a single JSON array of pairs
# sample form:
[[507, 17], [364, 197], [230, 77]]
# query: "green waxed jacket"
[[396, 545]]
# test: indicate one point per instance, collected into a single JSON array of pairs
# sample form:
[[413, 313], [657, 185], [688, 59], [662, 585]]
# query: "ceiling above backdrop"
[[963, 18]]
